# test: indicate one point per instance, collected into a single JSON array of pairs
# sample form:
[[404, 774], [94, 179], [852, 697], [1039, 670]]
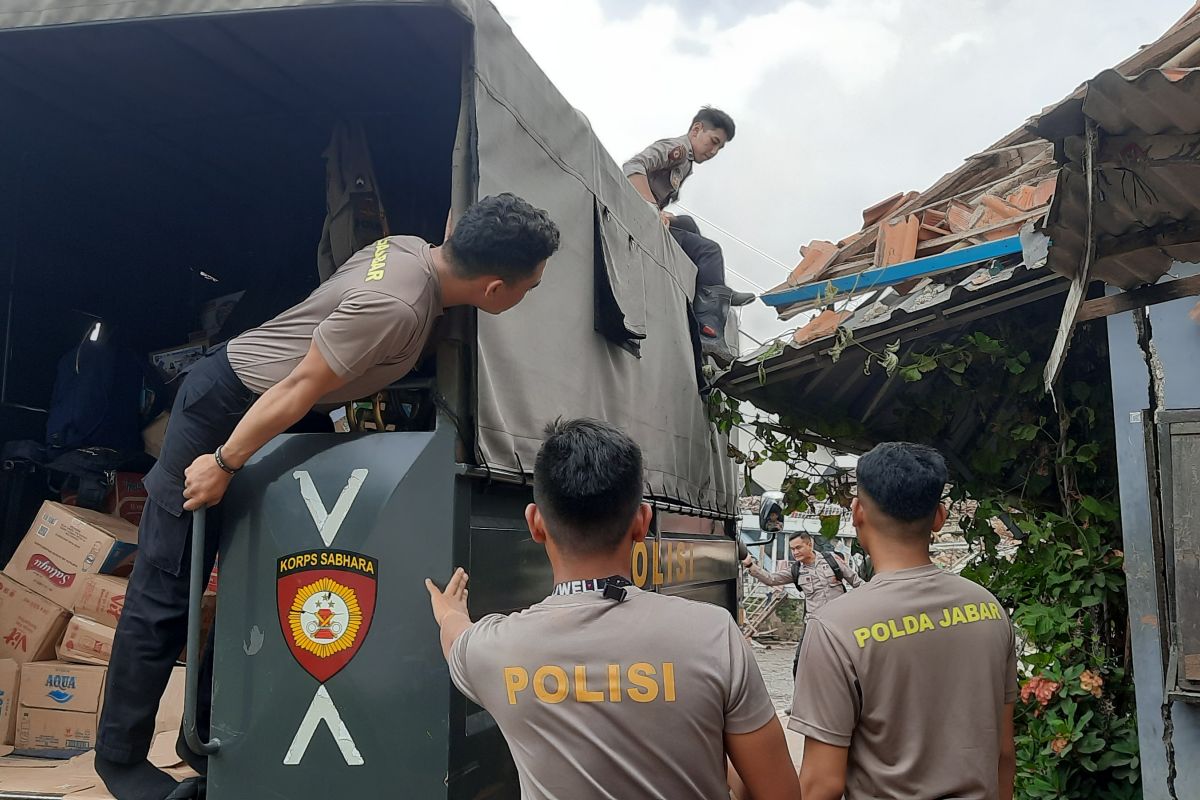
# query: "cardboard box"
[[170, 707], [10, 684], [30, 625], [174, 360], [86, 642], [214, 313], [60, 732], [126, 497], [66, 542], [208, 616], [154, 434], [102, 599], [59, 706]]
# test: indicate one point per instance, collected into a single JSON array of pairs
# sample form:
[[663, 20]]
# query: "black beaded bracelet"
[[221, 463]]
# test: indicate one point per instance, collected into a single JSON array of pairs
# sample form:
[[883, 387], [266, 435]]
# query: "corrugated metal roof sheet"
[[1148, 175], [930, 301]]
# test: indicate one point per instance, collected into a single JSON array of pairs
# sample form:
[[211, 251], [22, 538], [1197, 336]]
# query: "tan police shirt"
[[369, 321], [599, 699], [816, 581], [666, 164], [911, 673]]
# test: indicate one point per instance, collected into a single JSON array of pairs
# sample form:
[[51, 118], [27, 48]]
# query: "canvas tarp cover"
[[545, 358]]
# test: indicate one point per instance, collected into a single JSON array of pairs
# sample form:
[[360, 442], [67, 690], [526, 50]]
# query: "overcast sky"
[[838, 103]]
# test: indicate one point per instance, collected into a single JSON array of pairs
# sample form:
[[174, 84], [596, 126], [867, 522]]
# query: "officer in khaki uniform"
[[659, 171], [604, 691], [812, 573], [359, 331], [908, 683]]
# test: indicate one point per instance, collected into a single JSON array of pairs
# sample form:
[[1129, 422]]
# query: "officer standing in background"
[[359, 331], [819, 577], [603, 690]]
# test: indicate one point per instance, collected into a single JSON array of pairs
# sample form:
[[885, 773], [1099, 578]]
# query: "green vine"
[[1041, 473]]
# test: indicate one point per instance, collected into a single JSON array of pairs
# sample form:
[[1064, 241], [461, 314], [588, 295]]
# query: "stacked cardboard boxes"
[[59, 706], [65, 543], [10, 684], [90, 633], [63, 565]]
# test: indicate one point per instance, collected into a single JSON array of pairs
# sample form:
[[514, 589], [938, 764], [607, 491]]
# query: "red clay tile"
[[998, 210], [1044, 192], [958, 216], [885, 208], [817, 255], [897, 241], [1022, 197], [933, 218], [928, 232], [820, 326]]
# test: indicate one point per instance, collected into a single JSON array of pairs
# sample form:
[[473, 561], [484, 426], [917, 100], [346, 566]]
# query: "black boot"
[[141, 781], [197, 762], [742, 298]]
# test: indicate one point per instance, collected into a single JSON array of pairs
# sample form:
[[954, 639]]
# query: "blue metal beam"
[[896, 273]]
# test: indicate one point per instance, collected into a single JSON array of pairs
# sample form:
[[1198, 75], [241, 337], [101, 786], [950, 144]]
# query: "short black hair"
[[502, 235], [712, 118], [904, 480], [587, 483], [805, 535]]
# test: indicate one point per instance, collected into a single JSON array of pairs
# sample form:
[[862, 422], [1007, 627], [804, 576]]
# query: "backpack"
[[96, 400], [833, 563]]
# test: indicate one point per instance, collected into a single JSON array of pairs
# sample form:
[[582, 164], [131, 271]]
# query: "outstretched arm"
[[450, 608], [779, 578]]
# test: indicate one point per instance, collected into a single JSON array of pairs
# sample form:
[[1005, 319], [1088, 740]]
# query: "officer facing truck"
[[359, 331], [908, 683], [603, 690]]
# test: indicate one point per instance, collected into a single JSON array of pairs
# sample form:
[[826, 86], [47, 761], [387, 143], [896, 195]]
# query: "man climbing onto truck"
[[359, 331], [658, 173]]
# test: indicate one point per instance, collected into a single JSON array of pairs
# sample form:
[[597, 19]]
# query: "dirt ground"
[[775, 663]]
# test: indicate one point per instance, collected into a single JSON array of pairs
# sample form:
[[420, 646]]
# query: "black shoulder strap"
[[796, 572], [834, 565]]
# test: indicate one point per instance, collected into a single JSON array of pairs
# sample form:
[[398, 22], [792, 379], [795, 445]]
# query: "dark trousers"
[[704, 252], [796, 658], [153, 624]]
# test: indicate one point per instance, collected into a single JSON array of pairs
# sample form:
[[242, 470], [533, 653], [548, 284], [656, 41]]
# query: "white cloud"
[[838, 104]]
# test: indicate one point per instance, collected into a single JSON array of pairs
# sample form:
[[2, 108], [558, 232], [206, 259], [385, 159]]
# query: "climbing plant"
[[1038, 470]]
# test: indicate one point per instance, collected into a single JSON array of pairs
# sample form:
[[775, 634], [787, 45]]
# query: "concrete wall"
[[1170, 736]]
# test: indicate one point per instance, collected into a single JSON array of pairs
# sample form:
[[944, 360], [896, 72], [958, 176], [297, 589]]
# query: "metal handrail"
[[197, 581]]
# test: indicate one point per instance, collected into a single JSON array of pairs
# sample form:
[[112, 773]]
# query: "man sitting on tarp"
[[359, 331], [659, 171]]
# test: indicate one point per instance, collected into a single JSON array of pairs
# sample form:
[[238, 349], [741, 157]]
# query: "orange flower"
[[1092, 682], [1058, 744], [1041, 688]]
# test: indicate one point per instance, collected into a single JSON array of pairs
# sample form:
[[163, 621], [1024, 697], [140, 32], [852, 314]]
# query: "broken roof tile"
[[817, 255], [897, 241], [820, 326], [885, 208]]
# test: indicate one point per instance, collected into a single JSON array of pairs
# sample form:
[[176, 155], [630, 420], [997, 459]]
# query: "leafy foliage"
[[1041, 470]]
